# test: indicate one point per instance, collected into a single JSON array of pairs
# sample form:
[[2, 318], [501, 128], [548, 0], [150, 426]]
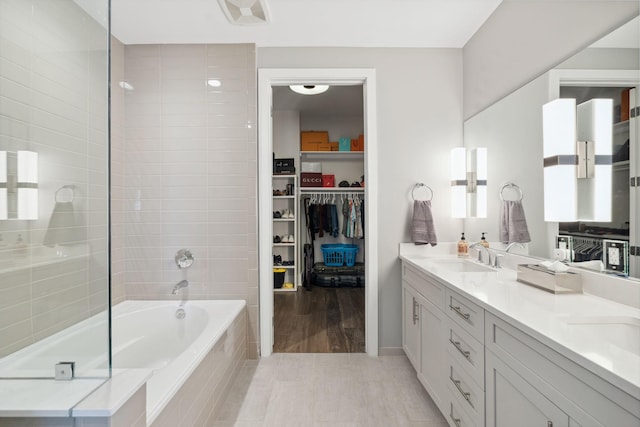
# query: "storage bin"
[[334, 146], [278, 277], [328, 180], [344, 144], [337, 254]]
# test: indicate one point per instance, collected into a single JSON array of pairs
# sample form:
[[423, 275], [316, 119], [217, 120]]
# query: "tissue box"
[[550, 281]]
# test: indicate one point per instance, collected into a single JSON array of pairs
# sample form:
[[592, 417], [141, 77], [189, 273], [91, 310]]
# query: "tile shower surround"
[[53, 101], [188, 171]]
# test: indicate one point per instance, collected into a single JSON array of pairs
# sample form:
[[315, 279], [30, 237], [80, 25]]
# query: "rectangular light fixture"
[[4, 210], [27, 185], [469, 183], [577, 160]]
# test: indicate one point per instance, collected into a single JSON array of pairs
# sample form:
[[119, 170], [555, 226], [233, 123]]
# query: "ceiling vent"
[[245, 12]]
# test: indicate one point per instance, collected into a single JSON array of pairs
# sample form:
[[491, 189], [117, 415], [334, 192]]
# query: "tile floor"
[[328, 390]]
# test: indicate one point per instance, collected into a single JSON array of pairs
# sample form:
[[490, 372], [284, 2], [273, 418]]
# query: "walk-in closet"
[[319, 220]]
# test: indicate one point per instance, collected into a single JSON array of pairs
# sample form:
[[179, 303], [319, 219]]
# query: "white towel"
[[422, 229], [513, 224]]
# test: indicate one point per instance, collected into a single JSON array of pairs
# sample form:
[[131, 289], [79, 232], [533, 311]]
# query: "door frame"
[[268, 77]]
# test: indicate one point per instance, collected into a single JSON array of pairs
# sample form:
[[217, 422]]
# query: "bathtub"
[[149, 335]]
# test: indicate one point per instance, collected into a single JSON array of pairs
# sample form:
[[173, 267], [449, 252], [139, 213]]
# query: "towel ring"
[[419, 185], [511, 185], [67, 194]]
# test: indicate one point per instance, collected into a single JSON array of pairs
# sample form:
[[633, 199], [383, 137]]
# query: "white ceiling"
[[338, 101], [305, 23]]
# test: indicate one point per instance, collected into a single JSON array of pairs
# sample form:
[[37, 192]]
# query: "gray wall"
[[524, 38], [190, 173], [419, 94]]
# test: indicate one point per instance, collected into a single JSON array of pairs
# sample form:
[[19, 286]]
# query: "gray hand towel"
[[513, 224], [422, 229]]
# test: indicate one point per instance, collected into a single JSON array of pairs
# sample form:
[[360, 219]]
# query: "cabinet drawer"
[[466, 314], [465, 391], [427, 287], [457, 417], [467, 351]]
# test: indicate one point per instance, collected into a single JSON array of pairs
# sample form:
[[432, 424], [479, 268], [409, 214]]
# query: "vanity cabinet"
[[482, 371], [411, 326], [528, 380], [424, 329]]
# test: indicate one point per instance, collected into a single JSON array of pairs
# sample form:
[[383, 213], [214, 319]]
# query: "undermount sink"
[[621, 331], [464, 266]]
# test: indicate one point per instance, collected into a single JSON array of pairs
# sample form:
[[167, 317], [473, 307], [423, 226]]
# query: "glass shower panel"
[[54, 188]]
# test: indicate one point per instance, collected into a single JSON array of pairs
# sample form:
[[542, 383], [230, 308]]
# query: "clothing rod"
[[332, 193]]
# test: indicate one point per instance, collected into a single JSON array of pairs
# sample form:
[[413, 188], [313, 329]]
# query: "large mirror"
[[512, 130]]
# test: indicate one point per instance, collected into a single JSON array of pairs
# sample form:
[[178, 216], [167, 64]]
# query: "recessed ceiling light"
[[309, 89], [245, 12], [214, 82]]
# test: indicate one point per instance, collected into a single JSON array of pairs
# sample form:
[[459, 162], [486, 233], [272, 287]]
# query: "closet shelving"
[[288, 251]]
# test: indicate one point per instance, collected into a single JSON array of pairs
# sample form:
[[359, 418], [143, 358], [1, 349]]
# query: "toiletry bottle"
[[20, 247], [463, 247], [483, 241]]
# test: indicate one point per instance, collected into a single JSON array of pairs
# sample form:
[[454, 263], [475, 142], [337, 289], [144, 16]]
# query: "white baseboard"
[[390, 351]]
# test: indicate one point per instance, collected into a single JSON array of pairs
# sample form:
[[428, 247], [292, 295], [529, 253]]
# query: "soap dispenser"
[[483, 241], [463, 247]]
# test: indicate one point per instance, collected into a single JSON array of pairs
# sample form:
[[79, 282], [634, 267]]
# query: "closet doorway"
[[318, 284]]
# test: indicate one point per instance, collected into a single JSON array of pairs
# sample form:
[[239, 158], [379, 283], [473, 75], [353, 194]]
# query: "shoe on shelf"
[[285, 213], [290, 214], [277, 260], [277, 239], [277, 215], [289, 238]]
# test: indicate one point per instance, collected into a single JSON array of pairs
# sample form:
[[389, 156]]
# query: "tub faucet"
[[512, 244], [181, 284], [480, 247]]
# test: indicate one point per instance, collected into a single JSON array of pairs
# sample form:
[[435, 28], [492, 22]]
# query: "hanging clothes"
[[358, 232]]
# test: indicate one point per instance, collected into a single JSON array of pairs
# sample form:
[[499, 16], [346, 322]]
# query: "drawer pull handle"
[[466, 395], [455, 420], [415, 312], [456, 344], [459, 312]]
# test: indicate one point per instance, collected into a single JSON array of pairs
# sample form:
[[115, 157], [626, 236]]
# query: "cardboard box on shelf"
[[311, 167], [310, 179], [344, 144], [357, 144], [311, 140], [328, 180]]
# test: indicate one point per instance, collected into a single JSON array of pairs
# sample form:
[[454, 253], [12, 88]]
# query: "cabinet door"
[[511, 401], [433, 330], [411, 326]]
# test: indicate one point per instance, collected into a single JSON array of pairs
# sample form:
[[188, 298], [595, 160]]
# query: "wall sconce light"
[[469, 183], [577, 160], [4, 210], [27, 185]]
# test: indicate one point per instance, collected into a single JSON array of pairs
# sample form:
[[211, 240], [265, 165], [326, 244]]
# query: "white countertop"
[[577, 326]]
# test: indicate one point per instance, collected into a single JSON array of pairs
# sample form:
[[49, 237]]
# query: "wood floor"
[[324, 320]]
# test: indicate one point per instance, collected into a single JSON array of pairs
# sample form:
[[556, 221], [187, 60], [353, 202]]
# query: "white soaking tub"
[[149, 335]]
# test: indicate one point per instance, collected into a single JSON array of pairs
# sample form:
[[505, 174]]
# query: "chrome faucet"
[[181, 284], [480, 247], [512, 244]]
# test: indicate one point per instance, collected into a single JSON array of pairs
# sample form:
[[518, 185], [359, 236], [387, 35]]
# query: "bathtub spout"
[[181, 284]]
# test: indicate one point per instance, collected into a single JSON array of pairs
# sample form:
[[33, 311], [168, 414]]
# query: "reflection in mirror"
[[54, 210], [512, 131]]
